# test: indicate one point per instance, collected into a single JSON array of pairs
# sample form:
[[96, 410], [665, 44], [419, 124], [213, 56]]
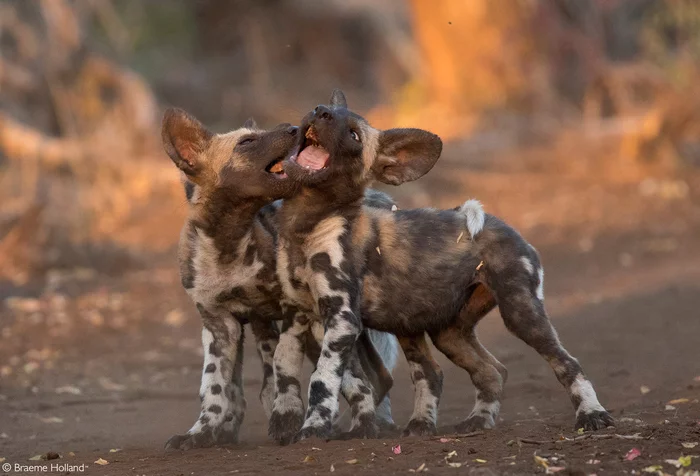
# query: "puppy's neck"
[[312, 205], [226, 218]]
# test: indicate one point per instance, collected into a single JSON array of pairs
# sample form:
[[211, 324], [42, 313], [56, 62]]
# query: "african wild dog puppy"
[[227, 262], [407, 272]]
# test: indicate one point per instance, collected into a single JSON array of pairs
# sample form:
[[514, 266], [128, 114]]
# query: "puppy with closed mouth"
[[227, 256], [408, 272]]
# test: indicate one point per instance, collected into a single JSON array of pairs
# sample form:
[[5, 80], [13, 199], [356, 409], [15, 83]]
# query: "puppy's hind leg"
[[463, 348], [461, 345], [427, 381], [519, 290]]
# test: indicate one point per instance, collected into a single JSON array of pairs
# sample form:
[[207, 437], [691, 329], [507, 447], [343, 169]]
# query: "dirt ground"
[[97, 365]]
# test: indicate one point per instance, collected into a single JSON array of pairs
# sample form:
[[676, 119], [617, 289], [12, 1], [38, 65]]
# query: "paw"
[[364, 428], [321, 432], [476, 423], [284, 426], [420, 428], [596, 420], [205, 438]]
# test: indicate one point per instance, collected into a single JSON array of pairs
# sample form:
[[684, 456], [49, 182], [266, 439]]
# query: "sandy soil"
[[104, 384], [92, 362]]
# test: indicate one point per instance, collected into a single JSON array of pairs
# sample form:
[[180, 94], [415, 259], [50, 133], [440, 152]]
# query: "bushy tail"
[[474, 215]]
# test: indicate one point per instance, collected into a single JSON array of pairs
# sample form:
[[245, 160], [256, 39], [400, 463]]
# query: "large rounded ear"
[[184, 139], [250, 123], [404, 155], [338, 99]]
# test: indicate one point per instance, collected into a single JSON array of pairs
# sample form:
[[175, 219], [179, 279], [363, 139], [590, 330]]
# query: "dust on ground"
[[93, 361]]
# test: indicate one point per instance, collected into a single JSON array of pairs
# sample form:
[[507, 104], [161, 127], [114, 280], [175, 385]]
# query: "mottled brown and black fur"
[[408, 272], [227, 258]]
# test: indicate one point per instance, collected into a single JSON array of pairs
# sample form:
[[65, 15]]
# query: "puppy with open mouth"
[[227, 257], [408, 272]]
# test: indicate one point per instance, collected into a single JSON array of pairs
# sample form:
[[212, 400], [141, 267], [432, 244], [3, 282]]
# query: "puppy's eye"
[[355, 136], [246, 140]]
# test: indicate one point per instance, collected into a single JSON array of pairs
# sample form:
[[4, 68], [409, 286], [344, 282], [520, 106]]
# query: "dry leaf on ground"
[[419, 469], [682, 462], [540, 461]]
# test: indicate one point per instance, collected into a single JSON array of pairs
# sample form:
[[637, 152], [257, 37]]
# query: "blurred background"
[[607, 86], [577, 121]]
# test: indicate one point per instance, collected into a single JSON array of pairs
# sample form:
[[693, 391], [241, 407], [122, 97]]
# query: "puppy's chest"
[[242, 282], [314, 265]]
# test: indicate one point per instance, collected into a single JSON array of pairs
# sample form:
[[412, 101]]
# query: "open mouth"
[[312, 156], [276, 169]]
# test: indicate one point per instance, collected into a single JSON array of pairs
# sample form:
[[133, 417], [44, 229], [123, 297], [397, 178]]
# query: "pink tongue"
[[313, 157]]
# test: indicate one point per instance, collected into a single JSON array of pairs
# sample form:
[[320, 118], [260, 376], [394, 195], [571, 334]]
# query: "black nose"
[[292, 130], [322, 112]]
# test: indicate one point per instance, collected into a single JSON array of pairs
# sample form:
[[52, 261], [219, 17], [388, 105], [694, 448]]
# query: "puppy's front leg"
[[358, 391], [288, 409], [221, 391], [342, 326]]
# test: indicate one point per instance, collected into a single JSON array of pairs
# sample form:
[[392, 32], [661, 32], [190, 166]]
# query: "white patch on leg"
[[474, 213], [540, 284], [350, 387], [425, 404], [589, 400], [209, 379], [482, 408], [326, 372], [288, 360], [527, 264]]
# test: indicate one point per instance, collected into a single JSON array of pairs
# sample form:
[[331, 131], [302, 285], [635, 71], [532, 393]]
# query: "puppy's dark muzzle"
[[322, 114]]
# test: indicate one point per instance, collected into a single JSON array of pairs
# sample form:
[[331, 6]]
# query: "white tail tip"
[[474, 213]]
